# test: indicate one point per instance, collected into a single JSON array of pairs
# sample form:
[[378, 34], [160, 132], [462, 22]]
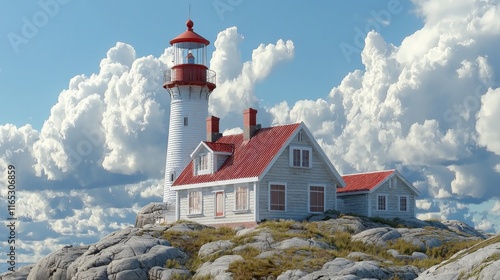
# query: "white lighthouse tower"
[[189, 83]]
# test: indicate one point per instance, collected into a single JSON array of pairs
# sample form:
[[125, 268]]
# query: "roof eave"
[[352, 193], [215, 183]]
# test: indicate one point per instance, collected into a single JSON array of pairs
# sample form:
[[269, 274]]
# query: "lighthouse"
[[189, 83]]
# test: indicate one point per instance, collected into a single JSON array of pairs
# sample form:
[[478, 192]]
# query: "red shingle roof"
[[249, 159], [364, 181], [220, 147]]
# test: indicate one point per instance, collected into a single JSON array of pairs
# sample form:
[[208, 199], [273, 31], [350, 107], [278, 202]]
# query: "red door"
[[219, 204]]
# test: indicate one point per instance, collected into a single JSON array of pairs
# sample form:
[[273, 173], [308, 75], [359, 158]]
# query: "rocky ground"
[[325, 247]]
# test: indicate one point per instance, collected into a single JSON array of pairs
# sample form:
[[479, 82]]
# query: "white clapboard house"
[[264, 173]]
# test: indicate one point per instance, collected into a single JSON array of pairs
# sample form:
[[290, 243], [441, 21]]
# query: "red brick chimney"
[[249, 123], [213, 129]]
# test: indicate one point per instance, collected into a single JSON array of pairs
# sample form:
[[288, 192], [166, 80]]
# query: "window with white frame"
[[202, 162], [277, 197], [195, 202], [300, 157], [382, 202], [403, 203], [241, 197], [316, 199]]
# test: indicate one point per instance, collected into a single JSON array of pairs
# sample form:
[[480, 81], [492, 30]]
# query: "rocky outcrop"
[[481, 261], [55, 265], [153, 213], [147, 252], [341, 268], [218, 268], [377, 236], [215, 248]]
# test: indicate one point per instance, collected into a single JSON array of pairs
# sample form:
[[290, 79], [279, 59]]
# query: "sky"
[[381, 85]]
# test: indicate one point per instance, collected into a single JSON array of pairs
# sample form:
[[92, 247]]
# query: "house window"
[[316, 199], [403, 203], [241, 196], [195, 206], [300, 157], [219, 204], [185, 121], [382, 202], [172, 176], [203, 162], [277, 197]]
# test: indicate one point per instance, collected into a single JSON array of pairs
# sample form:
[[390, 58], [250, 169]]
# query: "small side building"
[[276, 172], [386, 194]]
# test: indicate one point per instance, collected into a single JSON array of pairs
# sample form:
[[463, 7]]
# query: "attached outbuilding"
[[386, 194]]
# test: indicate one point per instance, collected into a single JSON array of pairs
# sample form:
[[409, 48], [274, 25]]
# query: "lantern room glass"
[[190, 53]]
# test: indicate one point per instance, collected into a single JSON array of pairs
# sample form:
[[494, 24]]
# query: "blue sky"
[[380, 84], [76, 37]]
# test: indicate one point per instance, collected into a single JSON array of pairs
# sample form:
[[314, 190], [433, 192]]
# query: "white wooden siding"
[[393, 195], [190, 102], [355, 204], [208, 196], [297, 179]]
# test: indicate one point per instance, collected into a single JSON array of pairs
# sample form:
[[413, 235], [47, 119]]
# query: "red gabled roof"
[[220, 147], [364, 181], [249, 158]]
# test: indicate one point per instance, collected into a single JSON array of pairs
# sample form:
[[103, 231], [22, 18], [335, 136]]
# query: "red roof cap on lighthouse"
[[189, 36]]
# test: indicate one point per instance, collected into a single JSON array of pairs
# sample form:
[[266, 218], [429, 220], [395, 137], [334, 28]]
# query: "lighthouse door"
[[219, 204]]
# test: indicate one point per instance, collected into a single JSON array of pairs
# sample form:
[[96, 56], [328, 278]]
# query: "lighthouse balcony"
[[186, 74]]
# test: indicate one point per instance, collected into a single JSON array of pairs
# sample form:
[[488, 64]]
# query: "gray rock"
[[55, 265], [419, 256], [262, 241], [351, 224], [153, 213], [185, 227], [301, 243], [359, 256], [295, 274], [19, 274], [123, 255], [341, 268], [267, 255], [216, 247], [414, 255], [218, 268], [377, 236], [484, 263], [463, 228], [245, 231], [161, 273]]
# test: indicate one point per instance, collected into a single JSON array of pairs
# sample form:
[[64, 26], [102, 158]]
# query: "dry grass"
[[306, 259]]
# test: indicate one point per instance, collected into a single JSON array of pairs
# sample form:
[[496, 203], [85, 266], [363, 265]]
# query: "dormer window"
[[203, 162], [300, 157]]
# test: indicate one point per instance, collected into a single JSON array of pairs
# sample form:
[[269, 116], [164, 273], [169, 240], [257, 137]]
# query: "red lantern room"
[[190, 61]]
